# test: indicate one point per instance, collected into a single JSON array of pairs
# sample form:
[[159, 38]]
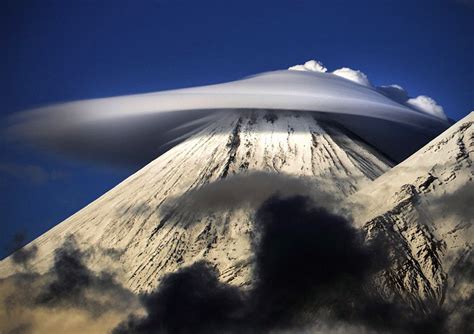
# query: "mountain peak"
[[197, 210], [145, 212]]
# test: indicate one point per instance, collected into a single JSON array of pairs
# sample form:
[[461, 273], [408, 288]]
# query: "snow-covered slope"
[[424, 208], [193, 203], [143, 226]]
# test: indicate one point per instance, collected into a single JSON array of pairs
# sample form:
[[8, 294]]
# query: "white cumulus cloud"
[[353, 75], [422, 103], [345, 72], [427, 105], [310, 66]]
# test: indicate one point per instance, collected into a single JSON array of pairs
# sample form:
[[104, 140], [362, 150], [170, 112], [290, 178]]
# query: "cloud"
[[460, 300], [427, 105], [421, 103], [67, 298], [313, 271], [33, 174], [251, 190], [192, 300], [457, 203], [24, 255], [345, 72], [21, 254], [311, 66], [395, 92], [74, 284], [353, 75], [133, 130]]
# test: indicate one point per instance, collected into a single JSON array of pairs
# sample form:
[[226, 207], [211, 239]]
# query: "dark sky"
[[56, 50]]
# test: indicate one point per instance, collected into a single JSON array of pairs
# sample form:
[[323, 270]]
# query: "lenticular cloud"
[[135, 129]]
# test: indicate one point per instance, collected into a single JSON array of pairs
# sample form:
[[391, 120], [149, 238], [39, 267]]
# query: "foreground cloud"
[[334, 293], [68, 298], [240, 191]]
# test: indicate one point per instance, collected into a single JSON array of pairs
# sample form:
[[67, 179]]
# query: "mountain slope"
[[424, 208], [142, 230]]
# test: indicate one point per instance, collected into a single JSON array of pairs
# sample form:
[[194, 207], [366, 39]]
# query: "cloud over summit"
[[422, 103], [135, 129]]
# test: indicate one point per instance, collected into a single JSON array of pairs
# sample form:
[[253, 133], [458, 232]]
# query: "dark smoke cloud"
[[192, 300], [311, 267], [310, 261], [21, 254], [313, 272], [68, 298], [457, 203], [75, 284], [24, 255], [71, 276], [250, 190], [306, 258], [460, 299], [244, 189]]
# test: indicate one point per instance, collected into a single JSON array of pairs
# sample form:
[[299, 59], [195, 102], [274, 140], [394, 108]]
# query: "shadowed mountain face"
[[197, 202]]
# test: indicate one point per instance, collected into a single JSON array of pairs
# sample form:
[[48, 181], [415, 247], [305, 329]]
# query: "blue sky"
[[56, 50]]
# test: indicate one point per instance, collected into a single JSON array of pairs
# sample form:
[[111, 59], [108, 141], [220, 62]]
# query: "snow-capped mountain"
[[150, 224], [144, 221]]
